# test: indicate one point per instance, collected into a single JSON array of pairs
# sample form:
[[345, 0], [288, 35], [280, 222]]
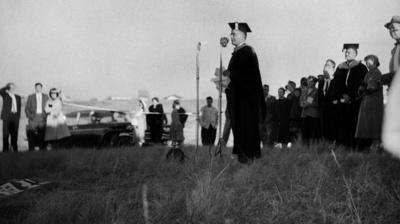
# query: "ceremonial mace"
[[224, 42]]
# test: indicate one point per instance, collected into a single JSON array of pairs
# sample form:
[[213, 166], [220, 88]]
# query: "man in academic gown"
[[348, 76], [246, 98]]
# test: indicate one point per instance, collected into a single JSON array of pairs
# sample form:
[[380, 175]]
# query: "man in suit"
[[10, 114], [394, 29], [267, 125], [324, 101], [34, 111]]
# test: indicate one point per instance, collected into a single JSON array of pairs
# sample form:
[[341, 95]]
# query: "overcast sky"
[[97, 48]]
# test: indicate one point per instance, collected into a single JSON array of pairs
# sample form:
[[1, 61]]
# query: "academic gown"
[[354, 73], [246, 100]]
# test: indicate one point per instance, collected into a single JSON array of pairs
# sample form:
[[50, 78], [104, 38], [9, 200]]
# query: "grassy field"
[[298, 185]]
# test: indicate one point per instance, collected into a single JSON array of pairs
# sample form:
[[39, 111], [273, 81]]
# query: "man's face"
[[370, 64], [155, 102], [350, 54], [394, 30], [237, 37], [11, 88], [209, 102], [329, 69], [266, 90], [281, 93], [38, 89]]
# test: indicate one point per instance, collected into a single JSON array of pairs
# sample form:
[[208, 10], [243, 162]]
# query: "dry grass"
[[300, 185]]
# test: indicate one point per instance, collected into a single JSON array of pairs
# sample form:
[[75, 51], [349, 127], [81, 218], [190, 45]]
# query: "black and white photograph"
[[199, 112]]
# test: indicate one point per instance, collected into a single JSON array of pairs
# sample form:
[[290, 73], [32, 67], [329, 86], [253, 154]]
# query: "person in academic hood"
[[246, 98], [348, 78]]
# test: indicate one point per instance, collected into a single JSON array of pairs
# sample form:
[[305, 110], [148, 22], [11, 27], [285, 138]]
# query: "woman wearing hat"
[[56, 127], [370, 116]]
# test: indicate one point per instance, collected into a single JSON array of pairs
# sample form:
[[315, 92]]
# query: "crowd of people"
[[344, 105]]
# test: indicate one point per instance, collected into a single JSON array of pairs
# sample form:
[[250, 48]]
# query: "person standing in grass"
[[208, 122], [155, 120], [10, 114], [310, 112], [139, 121], [246, 98], [370, 116], [348, 78], [267, 137], [56, 127], [34, 110], [281, 118], [178, 120], [394, 29]]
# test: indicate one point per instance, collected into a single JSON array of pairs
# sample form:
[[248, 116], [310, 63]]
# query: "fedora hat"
[[395, 19]]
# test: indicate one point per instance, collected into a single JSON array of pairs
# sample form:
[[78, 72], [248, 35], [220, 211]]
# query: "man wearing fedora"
[[246, 98], [394, 29]]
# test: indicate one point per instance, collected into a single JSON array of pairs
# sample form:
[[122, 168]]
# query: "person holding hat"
[[394, 29], [246, 98], [10, 114], [56, 127], [348, 78]]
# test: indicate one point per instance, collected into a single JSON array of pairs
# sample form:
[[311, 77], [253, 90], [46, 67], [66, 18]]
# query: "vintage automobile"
[[99, 128]]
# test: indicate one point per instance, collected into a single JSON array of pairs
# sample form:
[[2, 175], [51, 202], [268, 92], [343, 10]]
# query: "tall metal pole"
[[197, 95], [223, 41]]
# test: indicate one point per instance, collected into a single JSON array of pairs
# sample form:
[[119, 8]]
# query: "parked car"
[[99, 128]]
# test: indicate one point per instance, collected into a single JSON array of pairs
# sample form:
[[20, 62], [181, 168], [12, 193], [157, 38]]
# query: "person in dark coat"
[[295, 110], [267, 137], [246, 98], [155, 120], [324, 101], [178, 120], [10, 114], [394, 28], [310, 112], [349, 76], [370, 117], [34, 110], [281, 118]]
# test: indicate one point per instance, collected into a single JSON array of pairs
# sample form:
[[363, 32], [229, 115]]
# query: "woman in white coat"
[[56, 127]]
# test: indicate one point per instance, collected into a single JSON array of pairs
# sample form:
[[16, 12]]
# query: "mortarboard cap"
[[352, 45], [240, 26]]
